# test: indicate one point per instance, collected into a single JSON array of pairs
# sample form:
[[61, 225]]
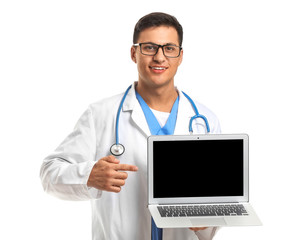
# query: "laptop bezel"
[[193, 200]]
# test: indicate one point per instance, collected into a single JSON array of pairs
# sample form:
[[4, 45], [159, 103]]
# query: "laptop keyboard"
[[202, 210]]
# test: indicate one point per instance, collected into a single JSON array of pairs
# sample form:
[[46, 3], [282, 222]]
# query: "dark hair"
[[157, 19]]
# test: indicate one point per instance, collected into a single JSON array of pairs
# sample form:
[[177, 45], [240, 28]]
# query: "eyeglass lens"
[[152, 49]]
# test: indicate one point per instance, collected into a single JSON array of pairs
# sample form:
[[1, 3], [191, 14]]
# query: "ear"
[[133, 54], [181, 57]]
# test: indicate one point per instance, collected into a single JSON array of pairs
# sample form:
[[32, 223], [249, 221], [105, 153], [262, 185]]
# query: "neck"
[[160, 99]]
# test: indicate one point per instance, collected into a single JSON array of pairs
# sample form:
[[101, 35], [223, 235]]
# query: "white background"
[[242, 59]]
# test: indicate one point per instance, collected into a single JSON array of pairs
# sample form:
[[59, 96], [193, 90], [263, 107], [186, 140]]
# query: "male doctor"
[[83, 168]]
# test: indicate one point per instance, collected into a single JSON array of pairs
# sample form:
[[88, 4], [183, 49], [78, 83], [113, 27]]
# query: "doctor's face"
[[157, 70]]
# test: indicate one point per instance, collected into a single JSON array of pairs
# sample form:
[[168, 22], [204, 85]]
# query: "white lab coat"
[[123, 215]]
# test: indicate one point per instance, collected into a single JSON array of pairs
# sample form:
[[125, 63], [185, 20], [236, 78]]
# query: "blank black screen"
[[198, 168]]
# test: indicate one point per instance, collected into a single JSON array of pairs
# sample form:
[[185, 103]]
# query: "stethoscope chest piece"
[[117, 149]]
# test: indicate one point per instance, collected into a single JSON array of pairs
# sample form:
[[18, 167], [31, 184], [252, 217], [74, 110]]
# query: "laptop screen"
[[198, 168]]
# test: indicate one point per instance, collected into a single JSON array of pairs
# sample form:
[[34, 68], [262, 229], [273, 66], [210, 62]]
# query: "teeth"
[[158, 68]]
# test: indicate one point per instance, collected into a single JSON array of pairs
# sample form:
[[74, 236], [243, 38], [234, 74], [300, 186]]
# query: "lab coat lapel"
[[137, 115], [139, 118]]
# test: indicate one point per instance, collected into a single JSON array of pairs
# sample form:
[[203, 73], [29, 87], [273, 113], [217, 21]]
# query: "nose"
[[159, 57]]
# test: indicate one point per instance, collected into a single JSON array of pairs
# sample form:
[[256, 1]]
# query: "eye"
[[170, 48], [150, 47]]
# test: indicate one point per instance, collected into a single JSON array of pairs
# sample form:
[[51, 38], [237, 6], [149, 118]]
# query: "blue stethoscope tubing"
[[196, 116], [118, 149]]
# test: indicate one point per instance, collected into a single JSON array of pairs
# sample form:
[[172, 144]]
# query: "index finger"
[[125, 167]]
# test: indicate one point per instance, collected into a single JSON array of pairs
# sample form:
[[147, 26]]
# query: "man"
[[82, 167]]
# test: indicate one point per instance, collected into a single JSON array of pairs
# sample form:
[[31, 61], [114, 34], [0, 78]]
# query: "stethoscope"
[[118, 149]]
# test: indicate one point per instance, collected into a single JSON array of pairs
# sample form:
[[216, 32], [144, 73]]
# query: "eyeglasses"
[[151, 49]]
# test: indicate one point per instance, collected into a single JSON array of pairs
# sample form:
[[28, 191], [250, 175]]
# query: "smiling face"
[[157, 71]]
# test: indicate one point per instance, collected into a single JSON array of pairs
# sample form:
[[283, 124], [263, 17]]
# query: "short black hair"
[[157, 19]]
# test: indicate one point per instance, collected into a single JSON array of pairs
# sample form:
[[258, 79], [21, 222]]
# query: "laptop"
[[199, 181]]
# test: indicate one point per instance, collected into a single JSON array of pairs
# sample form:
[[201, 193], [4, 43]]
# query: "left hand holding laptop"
[[197, 228]]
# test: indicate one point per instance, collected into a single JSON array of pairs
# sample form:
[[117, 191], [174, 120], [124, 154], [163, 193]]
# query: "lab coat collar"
[[185, 112]]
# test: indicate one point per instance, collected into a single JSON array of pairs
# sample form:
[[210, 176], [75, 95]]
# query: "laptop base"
[[205, 221]]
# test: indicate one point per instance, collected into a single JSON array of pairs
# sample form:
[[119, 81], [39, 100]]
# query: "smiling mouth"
[[159, 68]]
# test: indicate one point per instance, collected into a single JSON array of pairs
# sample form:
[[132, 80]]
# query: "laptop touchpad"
[[207, 222]]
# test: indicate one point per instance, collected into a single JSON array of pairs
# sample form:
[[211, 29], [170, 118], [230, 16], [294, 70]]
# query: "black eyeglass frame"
[[159, 46]]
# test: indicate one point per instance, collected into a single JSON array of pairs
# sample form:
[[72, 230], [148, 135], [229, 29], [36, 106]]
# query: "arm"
[[65, 172]]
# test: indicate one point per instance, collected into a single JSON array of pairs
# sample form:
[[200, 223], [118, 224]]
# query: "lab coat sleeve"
[[216, 128], [65, 172], [213, 121]]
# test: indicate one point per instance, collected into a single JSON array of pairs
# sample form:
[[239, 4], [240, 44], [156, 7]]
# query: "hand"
[[198, 228], [106, 174]]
